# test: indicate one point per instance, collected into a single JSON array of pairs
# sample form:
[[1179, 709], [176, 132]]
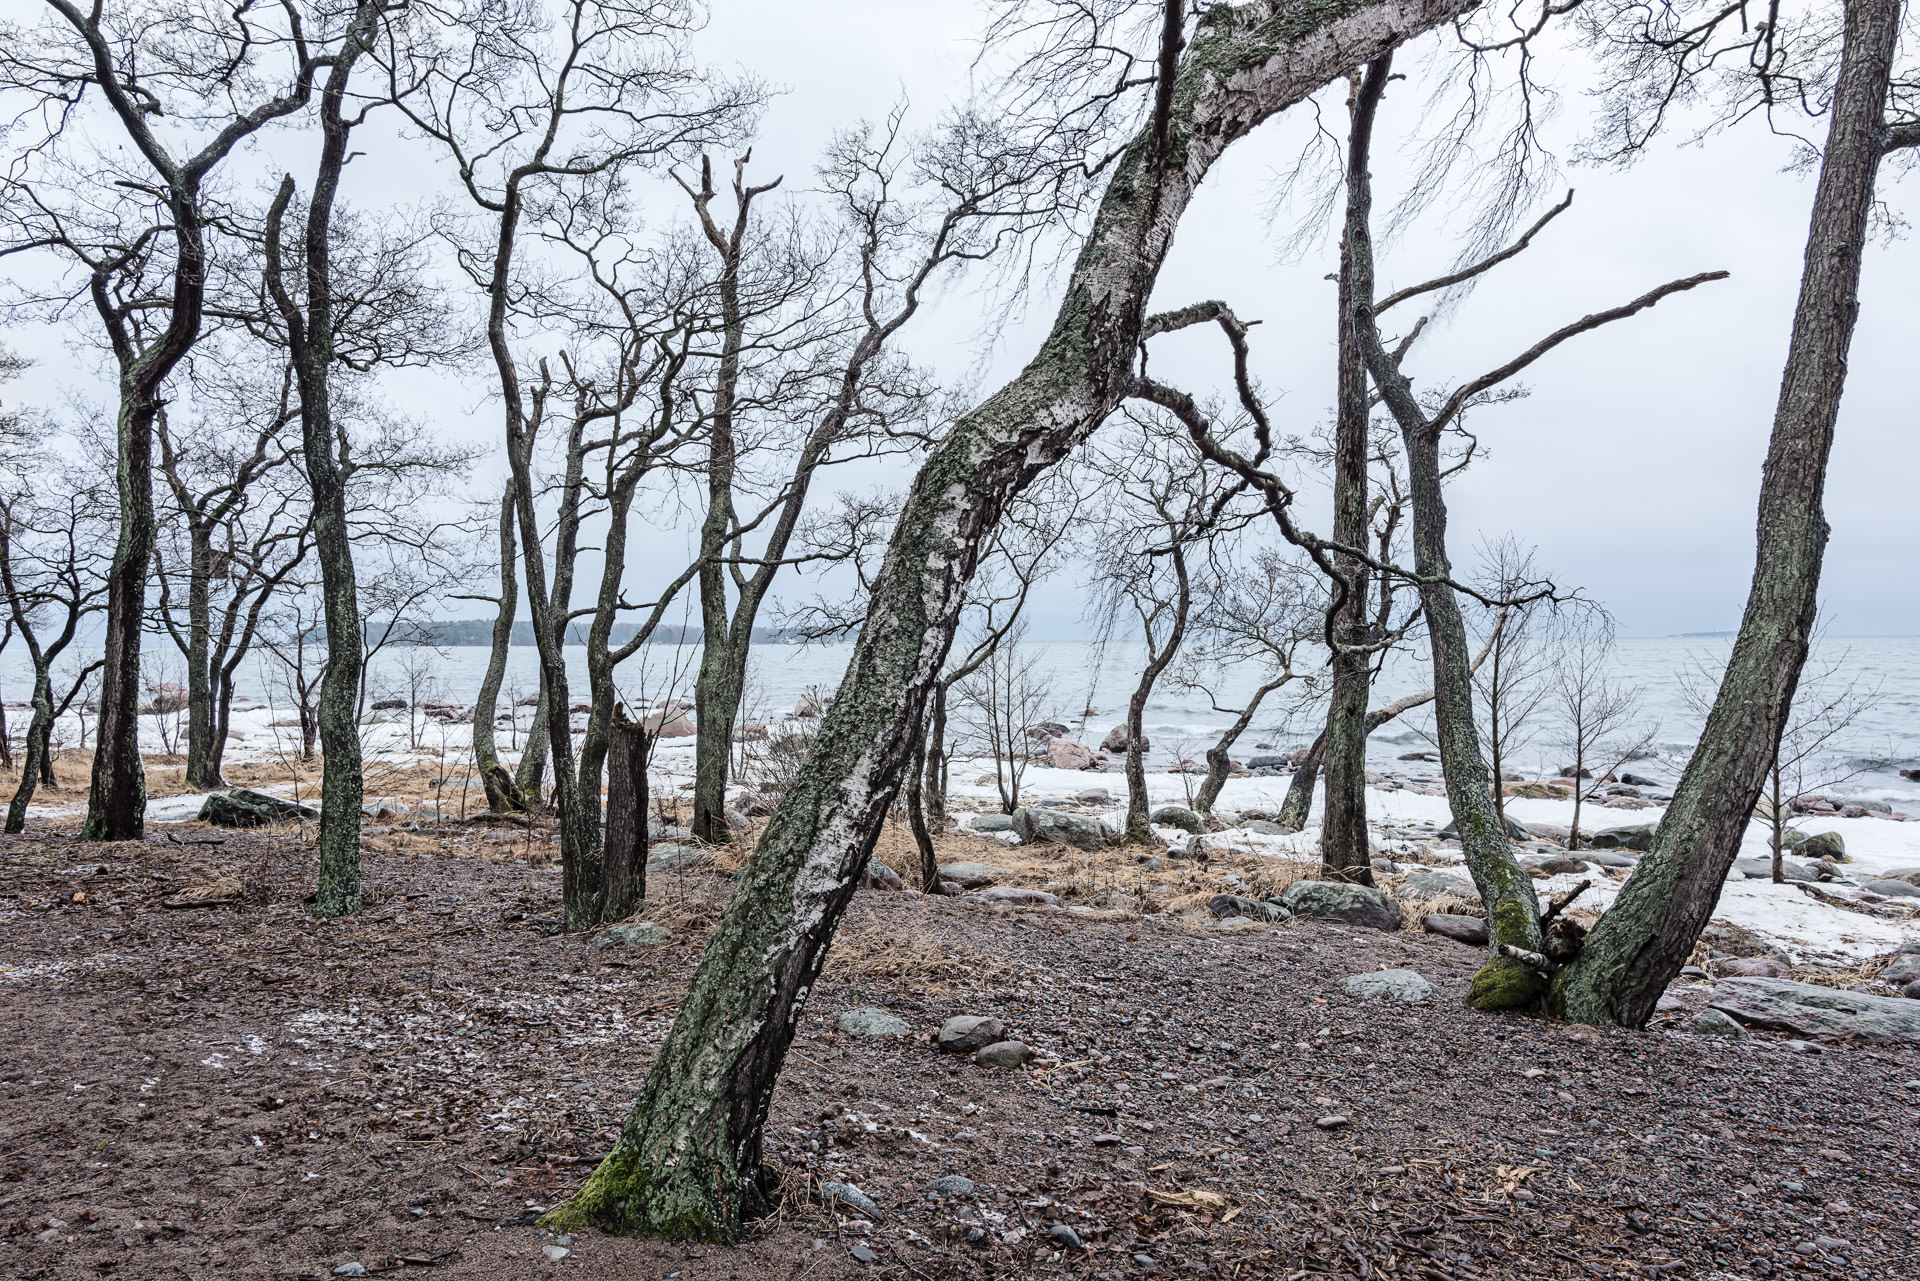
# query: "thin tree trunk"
[[502, 795], [936, 758], [1513, 911], [1298, 805], [1219, 755], [39, 733], [199, 665], [917, 820], [1344, 851], [688, 1160], [117, 798], [1138, 830], [625, 850], [1644, 939], [311, 338]]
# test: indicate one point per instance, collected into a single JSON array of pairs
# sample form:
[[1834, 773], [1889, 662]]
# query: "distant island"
[[1670, 635]]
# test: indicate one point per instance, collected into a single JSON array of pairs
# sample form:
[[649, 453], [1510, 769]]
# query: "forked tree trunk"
[[1344, 853], [624, 849], [688, 1160], [502, 795], [1513, 911], [1644, 939], [1219, 756]]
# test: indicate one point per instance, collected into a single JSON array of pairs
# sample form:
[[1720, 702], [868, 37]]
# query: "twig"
[[211, 840], [1531, 959], [1559, 902]]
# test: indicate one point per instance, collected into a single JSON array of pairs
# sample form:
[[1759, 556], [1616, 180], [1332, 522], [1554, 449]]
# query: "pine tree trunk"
[[1644, 939], [688, 1160]]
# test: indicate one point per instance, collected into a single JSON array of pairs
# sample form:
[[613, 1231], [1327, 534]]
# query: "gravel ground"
[[237, 1091]]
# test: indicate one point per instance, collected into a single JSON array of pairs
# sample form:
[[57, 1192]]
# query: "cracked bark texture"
[[688, 1160], [1644, 939]]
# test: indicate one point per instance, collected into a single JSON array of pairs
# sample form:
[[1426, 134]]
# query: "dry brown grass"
[[867, 947]]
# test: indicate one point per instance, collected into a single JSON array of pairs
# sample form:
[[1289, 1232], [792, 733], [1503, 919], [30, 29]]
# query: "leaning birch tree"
[[688, 1159]]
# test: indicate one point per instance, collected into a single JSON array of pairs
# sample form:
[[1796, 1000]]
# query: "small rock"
[[1561, 866], [1014, 894], [881, 877], [1263, 827], [632, 934], [950, 1185], [1331, 1122], [862, 1254], [1714, 1023], [1625, 838], [1396, 984], [555, 1253], [1461, 929], [1515, 830], [853, 1198], [678, 858], [1144, 1261], [974, 876], [873, 1022], [1764, 967], [1828, 845], [965, 1033], [1064, 1237], [350, 1270], [1177, 816], [1094, 796], [1003, 1054], [1426, 885], [992, 823]]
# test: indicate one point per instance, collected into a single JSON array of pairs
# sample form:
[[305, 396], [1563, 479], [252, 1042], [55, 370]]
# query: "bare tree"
[[1651, 928], [1512, 686], [688, 1160], [132, 222], [585, 102], [1000, 700], [1597, 710], [1157, 531], [55, 538], [1256, 618], [1515, 974]]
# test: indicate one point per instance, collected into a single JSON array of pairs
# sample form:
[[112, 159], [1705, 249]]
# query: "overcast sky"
[[1634, 463]]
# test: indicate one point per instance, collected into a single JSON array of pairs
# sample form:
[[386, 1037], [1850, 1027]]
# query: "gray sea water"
[[1184, 719]]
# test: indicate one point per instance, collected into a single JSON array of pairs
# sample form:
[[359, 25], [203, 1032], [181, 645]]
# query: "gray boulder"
[[1901, 970], [853, 1198], [872, 1022], [1269, 762], [1761, 869], [1606, 858], [632, 934], [1014, 894], [1263, 827], [1711, 1022], [1461, 929], [1040, 826], [1425, 885], [992, 822], [1003, 1054], [1515, 830], [1827, 845], [1625, 838], [1116, 740], [965, 1033], [1094, 796], [950, 1185], [1818, 1013], [1396, 985], [244, 808], [1338, 901], [973, 876], [1893, 889], [678, 858], [1177, 816], [882, 877]]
